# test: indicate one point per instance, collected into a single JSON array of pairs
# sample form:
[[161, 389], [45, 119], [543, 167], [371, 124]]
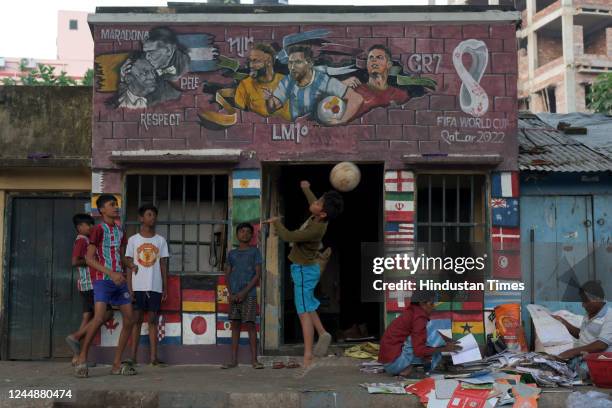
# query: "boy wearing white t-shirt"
[[147, 259]]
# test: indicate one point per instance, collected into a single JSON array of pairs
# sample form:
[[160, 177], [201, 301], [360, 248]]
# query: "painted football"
[[330, 108]]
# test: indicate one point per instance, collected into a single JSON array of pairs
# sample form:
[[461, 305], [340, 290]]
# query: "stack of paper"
[[552, 336]]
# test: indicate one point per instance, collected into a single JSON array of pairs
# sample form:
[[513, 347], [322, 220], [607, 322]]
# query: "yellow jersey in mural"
[[250, 96]]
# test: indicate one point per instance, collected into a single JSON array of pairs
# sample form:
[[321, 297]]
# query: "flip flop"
[[320, 349], [229, 366], [74, 345], [125, 369], [80, 370], [158, 363], [292, 364], [278, 364], [258, 366]]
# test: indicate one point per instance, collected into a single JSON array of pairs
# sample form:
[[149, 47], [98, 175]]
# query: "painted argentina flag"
[[246, 183], [201, 50]]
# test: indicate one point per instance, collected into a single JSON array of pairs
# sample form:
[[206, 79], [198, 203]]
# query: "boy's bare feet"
[[406, 372], [320, 349], [308, 361]]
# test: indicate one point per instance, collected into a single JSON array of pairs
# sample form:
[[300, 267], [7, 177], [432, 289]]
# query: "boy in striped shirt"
[[83, 224], [107, 245]]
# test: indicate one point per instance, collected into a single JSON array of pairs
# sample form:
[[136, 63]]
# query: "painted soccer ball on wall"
[[330, 109], [345, 176]]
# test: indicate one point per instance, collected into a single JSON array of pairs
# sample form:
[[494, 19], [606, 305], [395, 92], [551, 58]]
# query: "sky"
[[28, 28]]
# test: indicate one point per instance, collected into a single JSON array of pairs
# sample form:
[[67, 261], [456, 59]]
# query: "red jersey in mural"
[[375, 98]]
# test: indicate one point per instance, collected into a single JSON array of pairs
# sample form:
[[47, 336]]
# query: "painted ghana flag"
[[465, 323]]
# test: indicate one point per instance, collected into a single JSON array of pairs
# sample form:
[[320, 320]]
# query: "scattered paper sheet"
[[483, 379], [435, 402], [445, 388], [469, 351]]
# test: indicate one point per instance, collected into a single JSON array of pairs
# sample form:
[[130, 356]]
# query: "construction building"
[[563, 46]]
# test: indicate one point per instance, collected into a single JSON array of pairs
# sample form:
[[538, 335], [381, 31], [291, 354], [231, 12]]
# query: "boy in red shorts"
[[83, 224]]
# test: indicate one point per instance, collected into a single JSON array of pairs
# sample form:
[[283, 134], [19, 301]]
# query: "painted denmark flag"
[[506, 238]]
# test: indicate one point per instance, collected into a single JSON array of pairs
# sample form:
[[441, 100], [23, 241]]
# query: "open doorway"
[[339, 288]]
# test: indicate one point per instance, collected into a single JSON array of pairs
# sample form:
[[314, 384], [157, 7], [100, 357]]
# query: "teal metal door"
[[602, 224], [43, 301], [560, 256]]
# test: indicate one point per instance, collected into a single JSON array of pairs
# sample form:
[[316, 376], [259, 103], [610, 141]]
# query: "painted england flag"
[[399, 181]]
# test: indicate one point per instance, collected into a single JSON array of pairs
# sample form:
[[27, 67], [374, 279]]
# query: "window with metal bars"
[[193, 217], [450, 208]]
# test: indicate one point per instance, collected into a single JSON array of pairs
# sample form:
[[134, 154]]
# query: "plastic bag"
[[508, 325], [591, 399]]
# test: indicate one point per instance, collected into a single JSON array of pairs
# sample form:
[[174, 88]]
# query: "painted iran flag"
[[399, 181], [505, 184], [198, 328], [246, 183], [399, 207]]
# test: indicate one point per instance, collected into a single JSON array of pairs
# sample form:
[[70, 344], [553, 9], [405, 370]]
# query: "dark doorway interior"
[[339, 289]]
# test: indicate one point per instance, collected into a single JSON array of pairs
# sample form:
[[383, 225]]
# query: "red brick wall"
[[595, 43], [549, 49], [385, 133]]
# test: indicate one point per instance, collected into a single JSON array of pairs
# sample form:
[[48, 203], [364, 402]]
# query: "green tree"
[[8, 81], [600, 99], [88, 78], [45, 75]]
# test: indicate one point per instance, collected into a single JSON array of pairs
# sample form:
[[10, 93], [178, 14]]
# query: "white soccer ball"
[[345, 176]]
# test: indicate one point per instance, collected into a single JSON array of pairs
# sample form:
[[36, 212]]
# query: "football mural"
[[308, 77]]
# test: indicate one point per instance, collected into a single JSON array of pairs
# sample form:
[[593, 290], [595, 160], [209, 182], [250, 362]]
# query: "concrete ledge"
[[333, 383]]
